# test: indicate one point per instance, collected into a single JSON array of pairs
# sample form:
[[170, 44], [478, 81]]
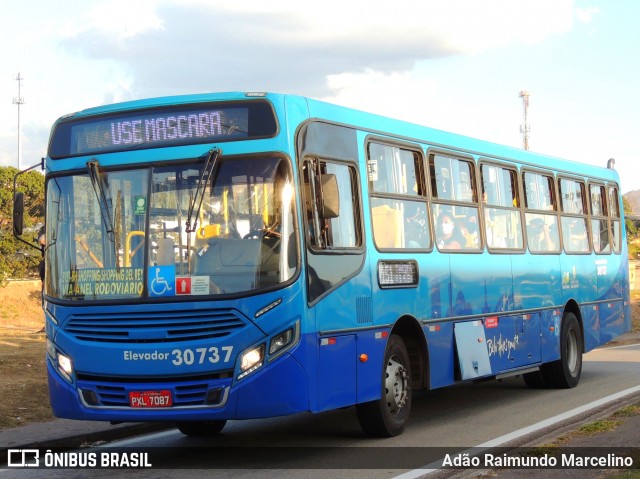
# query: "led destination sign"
[[165, 128], [155, 128]]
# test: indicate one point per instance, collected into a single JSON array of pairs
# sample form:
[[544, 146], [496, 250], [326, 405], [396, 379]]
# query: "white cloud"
[[369, 91], [120, 19], [81, 54], [479, 26], [585, 15], [464, 25], [292, 46]]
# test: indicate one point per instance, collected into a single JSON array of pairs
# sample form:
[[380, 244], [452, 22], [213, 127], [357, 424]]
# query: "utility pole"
[[19, 101], [524, 128]]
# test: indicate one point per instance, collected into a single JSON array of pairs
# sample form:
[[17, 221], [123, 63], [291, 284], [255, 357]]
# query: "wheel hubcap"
[[396, 385], [572, 351]]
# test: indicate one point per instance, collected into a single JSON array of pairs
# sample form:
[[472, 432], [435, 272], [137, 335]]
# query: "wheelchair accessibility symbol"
[[162, 280]]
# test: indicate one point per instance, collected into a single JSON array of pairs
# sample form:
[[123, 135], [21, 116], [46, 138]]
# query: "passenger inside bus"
[[577, 235], [494, 239], [539, 236], [449, 237], [469, 230]]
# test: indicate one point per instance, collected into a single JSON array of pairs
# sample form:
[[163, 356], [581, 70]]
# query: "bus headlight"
[[63, 363], [251, 360], [281, 341], [51, 349], [65, 366]]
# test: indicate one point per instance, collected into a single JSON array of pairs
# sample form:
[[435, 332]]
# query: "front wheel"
[[388, 416]]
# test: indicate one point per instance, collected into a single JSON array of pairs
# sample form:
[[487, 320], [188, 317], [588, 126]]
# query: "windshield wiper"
[[102, 196], [205, 177]]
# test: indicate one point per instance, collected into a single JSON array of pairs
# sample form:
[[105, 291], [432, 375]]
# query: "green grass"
[[627, 411], [598, 427], [629, 474]]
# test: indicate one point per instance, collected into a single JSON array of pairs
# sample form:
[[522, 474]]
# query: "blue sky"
[[457, 65]]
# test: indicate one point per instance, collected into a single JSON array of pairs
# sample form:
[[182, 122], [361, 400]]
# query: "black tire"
[[201, 428], [388, 416], [565, 372]]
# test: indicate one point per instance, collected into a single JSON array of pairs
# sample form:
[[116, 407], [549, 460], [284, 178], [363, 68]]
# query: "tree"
[[17, 259], [632, 230]]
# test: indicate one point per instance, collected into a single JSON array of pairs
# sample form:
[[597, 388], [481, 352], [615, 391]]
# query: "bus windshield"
[[123, 234]]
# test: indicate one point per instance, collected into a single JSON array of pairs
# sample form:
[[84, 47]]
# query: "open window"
[[331, 202], [332, 220]]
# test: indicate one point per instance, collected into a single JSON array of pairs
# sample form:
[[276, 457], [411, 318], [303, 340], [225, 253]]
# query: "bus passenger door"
[[342, 310], [338, 288]]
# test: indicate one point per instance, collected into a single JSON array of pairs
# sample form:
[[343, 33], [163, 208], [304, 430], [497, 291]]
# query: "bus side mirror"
[[330, 196], [18, 214]]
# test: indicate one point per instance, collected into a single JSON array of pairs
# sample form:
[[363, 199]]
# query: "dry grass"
[[635, 310], [25, 397]]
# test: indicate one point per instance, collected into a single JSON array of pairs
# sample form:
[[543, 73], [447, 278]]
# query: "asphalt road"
[[331, 444]]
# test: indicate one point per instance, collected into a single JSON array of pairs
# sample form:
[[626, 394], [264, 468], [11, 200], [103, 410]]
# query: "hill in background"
[[633, 197]]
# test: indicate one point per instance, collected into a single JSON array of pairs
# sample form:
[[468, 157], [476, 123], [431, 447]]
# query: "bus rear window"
[[162, 127]]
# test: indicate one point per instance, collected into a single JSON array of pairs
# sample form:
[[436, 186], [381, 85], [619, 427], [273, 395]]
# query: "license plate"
[[144, 399]]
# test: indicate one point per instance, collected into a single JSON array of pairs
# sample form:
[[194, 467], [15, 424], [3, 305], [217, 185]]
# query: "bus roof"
[[376, 125], [432, 137]]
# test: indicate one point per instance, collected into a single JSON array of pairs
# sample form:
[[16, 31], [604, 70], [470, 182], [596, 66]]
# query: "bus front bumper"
[[277, 389]]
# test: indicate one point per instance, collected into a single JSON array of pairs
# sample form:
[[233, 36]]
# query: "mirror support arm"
[[18, 207]]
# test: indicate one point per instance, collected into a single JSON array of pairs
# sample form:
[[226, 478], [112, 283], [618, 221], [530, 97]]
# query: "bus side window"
[[331, 205], [542, 233], [398, 199], [452, 179], [575, 230], [443, 183], [454, 208], [600, 231], [600, 220], [441, 177], [539, 191], [614, 215], [502, 216], [574, 235]]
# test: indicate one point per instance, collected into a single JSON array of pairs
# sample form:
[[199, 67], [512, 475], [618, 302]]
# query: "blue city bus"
[[248, 255]]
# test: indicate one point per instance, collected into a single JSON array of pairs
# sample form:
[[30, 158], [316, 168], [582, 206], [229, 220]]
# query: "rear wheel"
[[565, 372], [201, 428], [388, 416]]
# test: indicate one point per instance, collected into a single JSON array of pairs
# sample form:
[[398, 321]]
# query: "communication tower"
[[524, 128], [19, 100]]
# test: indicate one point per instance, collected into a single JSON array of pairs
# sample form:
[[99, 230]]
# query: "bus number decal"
[[212, 355]]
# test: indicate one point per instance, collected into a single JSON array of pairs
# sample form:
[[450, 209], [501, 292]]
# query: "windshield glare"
[[124, 235]]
